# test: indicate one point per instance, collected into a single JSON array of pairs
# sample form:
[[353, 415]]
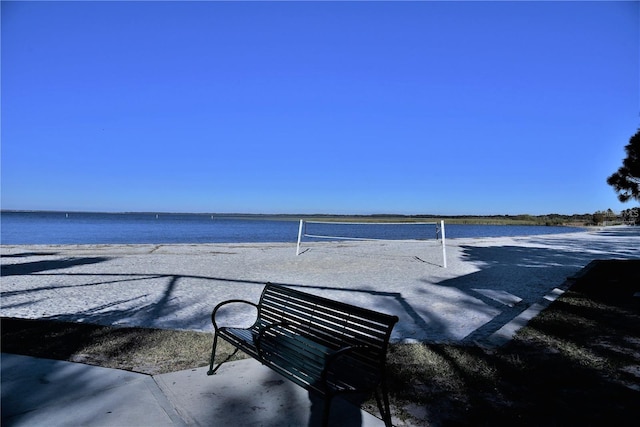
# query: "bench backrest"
[[333, 324]]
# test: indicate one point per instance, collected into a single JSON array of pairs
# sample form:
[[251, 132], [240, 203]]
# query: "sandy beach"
[[487, 284]]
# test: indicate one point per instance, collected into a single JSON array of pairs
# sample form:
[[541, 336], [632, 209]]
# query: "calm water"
[[100, 228]]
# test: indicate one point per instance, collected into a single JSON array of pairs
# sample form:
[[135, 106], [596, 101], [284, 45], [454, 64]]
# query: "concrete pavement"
[[43, 392]]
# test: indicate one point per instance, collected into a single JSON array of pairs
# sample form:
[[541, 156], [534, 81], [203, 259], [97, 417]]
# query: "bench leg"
[[327, 410], [212, 371], [385, 411]]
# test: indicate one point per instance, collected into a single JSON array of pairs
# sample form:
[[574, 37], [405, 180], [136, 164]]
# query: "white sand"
[[488, 282]]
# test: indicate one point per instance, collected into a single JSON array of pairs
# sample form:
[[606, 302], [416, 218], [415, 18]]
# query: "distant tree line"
[[628, 216], [604, 217]]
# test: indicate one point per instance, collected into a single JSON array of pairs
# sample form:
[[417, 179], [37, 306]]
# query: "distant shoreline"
[[575, 220]]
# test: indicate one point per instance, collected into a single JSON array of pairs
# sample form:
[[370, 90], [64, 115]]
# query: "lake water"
[[19, 228]]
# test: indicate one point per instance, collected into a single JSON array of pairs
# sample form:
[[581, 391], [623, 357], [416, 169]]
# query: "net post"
[[444, 248], [299, 236]]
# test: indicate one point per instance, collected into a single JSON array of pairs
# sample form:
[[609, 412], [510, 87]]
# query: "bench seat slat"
[[316, 310], [334, 341], [307, 366], [344, 325], [325, 302], [327, 322]]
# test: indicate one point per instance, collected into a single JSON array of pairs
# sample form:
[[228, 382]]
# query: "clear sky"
[[318, 107]]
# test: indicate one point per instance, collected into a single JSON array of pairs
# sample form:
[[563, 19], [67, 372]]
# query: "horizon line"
[[290, 214]]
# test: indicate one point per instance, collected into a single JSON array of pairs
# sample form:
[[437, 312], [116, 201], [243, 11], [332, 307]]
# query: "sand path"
[[488, 283]]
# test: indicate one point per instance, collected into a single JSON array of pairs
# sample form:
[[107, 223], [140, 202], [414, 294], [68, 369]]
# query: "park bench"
[[327, 347]]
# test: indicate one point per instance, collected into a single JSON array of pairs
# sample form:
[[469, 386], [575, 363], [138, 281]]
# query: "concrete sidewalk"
[[43, 392]]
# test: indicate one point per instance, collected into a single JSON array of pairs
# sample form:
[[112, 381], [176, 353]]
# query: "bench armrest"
[[231, 301]]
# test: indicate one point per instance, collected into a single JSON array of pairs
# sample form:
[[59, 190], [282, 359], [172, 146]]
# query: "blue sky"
[[317, 107]]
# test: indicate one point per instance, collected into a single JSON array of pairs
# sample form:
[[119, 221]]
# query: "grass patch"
[[577, 363], [144, 350]]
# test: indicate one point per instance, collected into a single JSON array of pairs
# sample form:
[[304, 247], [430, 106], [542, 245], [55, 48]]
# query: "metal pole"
[[444, 248], [299, 237]]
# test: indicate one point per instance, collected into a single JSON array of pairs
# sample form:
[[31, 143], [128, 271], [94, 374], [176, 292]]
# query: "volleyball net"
[[373, 231]]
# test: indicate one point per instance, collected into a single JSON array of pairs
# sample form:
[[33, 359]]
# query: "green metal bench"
[[325, 346]]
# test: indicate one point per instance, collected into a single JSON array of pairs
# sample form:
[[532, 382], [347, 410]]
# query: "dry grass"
[[577, 363], [144, 350]]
